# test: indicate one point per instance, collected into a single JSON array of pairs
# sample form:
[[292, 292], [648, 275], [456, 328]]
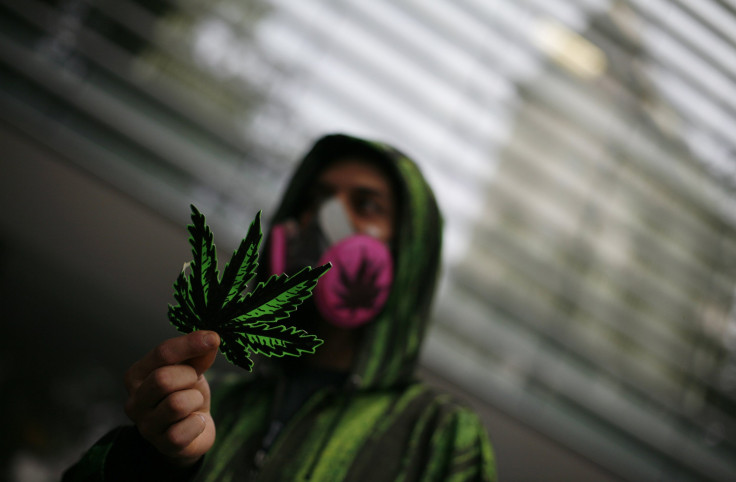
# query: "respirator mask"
[[355, 290]]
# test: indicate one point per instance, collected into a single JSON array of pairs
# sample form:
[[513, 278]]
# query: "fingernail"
[[210, 340], [204, 422]]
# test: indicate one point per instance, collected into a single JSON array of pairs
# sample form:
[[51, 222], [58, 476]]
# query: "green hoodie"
[[378, 422]]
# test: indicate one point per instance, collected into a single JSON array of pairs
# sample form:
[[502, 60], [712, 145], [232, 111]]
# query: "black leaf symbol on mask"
[[361, 290]]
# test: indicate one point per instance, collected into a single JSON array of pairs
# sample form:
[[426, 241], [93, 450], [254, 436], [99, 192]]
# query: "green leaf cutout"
[[246, 322]]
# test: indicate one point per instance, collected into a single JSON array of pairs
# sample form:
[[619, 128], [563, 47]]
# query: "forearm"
[[123, 455]]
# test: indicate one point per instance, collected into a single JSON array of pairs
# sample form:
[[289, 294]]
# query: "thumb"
[[211, 341]]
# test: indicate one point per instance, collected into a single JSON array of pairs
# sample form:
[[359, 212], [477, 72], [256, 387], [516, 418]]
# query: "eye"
[[369, 206]]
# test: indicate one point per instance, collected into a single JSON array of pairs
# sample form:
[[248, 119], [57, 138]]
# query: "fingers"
[[169, 398], [159, 384], [175, 408], [197, 349], [182, 439], [171, 411]]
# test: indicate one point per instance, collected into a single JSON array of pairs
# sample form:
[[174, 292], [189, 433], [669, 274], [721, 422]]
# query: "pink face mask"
[[355, 290]]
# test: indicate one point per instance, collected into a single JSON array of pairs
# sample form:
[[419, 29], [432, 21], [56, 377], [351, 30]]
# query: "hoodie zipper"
[[276, 426]]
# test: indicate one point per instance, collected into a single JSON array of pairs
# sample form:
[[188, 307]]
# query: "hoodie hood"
[[390, 344]]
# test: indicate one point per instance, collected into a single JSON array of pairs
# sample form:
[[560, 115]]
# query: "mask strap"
[[277, 248]]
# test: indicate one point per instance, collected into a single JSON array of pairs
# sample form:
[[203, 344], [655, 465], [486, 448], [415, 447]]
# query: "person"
[[353, 410]]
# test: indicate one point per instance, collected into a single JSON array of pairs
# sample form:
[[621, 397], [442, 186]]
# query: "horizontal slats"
[[589, 288]]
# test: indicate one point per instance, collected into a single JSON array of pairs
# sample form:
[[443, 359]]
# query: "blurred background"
[[583, 152]]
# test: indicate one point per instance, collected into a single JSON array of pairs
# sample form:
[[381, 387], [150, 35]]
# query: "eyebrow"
[[370, 191], [322, 187]]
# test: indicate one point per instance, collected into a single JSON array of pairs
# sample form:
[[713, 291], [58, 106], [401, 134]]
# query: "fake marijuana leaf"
[[246, 322]]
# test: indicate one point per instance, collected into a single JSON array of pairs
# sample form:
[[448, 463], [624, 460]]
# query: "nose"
[[357, 224]]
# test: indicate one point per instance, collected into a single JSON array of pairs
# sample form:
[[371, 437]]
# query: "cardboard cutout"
[[246, 322]]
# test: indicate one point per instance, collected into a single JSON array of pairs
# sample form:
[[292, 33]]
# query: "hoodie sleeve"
[[123, 455]]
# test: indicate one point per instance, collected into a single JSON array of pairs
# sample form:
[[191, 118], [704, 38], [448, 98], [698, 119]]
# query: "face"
[[365, 192]]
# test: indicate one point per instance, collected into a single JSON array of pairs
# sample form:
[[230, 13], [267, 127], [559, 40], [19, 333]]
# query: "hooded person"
[[354, 410]]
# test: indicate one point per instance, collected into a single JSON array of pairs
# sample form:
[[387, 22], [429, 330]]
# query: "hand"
[[169, 398]]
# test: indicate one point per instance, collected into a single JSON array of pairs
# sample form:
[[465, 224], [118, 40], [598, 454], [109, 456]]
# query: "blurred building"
[[606, 263]]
